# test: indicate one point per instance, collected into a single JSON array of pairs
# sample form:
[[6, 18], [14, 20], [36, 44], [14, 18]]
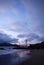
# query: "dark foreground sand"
[[36, 59]]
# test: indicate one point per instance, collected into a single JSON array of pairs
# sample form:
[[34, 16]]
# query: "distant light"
[[12, 43]]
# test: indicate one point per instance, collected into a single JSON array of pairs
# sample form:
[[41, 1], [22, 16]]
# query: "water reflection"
[[15, 58], [24, 53]]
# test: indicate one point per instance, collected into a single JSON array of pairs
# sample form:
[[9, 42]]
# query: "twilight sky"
[[22, 19]]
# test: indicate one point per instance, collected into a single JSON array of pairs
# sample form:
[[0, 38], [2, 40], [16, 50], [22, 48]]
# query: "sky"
[[21, 20]]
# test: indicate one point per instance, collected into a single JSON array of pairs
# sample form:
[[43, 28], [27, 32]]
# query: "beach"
[[36, 59], [14, 57], [23, 57]]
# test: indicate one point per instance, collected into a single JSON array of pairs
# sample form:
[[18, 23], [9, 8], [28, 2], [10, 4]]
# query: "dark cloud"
[[29, 37], [14, 40], [6, 38], [32, 36], [22, 35], [40, 39]]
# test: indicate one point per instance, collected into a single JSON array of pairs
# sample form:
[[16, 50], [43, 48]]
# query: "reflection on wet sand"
[[37, 58], [23, 53], [15, 58]]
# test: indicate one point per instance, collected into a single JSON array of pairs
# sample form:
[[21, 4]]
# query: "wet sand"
[[14, 58], [36, 59], [23, 57]]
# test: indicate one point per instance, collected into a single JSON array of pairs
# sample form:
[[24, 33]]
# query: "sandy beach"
[[23, 57], [36, 59], [14, 57]]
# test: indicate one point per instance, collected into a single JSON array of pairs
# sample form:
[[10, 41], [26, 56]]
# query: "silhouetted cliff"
[[36, 46]]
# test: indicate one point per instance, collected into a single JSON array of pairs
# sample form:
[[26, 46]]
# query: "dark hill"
[[37, 46]]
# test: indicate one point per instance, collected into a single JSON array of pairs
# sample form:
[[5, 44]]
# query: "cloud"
[[9, 6], [23, 18], [15, 11], [40, 39], [32, 37], [30, 3], [7, 38], [22, 36], [21, 26], [29, 37], [2, 10], [29, 30]]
